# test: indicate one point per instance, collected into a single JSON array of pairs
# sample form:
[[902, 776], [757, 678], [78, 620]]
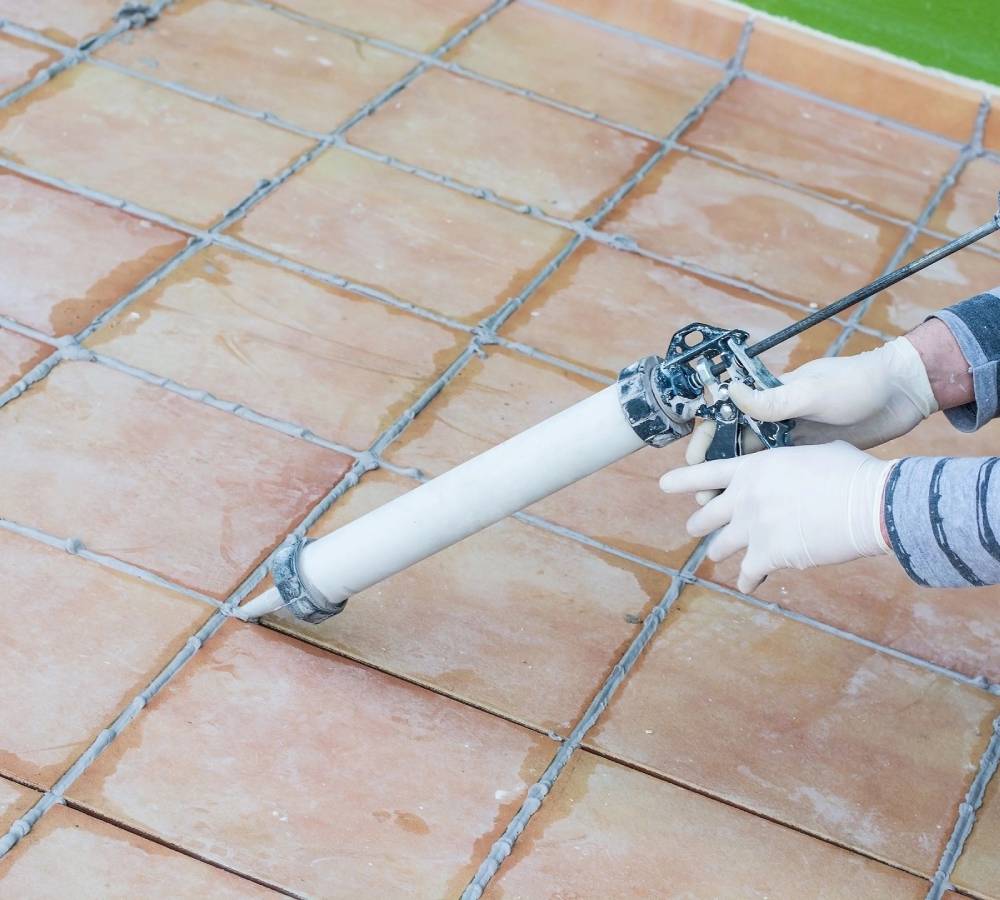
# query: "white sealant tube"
[[511, 476]]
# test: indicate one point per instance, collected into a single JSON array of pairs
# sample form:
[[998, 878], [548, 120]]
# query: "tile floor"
[[252, 251]]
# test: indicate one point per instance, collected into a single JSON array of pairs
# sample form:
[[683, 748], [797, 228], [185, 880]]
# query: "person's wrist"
[[946, 366]]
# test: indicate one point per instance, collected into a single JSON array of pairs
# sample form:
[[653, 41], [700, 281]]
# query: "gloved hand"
[[793, 507], [866, 400]]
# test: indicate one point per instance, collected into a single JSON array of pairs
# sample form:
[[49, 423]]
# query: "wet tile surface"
[[72, 854], [604, 308], [185, 158], [709, 28], [417, 24], [964, 274], [21, 60], [863, 81], [196, 495], [515, 620], [81, 641], [288, 347], [418, 241], [564, 59], [771, 236], [69, 23], [523, 151], [66, 259], [806, 728], [494, 399], [978, 868], [606, 830], [258, 59], [828, 150], [972, 201], [18, 355], [420, 784]]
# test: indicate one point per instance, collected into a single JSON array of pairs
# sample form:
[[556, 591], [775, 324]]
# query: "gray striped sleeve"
[[975, 323], [943, 519]]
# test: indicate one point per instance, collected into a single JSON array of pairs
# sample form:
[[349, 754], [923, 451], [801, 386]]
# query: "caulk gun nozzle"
[[266, 603]]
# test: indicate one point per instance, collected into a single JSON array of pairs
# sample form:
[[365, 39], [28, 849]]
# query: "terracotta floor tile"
[[803, 727], [609, 831], [71, 854], [964, 274], [825, 149], [59, 20], [991, 135], [284, 345], [863, 80], [21, 60], [709, 28], [421, 242], [14, 800], [514, 620], [754, 230], [186, 158], [874, 598], [523, 150], [134, 471], [628, 82], [18, 355], [978, 868], [494, 399], [604, 308], [311, 77], [418, 24], [66, 259], [386, 789], [971, 202], [93, 640]]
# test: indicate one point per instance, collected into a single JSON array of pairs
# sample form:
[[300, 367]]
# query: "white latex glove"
[[791, 508], [866, 400]]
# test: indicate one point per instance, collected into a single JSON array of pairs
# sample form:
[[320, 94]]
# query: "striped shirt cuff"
[[943, 516], [975, 323]]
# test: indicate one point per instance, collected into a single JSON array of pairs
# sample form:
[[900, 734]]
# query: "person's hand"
[[866, 400], [791, 508]]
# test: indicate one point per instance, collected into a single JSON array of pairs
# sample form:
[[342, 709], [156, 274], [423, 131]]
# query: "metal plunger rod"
[[879, 284]]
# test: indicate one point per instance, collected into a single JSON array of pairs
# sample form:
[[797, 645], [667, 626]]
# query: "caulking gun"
[[655, 401]]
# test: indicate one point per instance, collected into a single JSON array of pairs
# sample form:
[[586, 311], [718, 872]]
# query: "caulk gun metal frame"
[[654, 402]]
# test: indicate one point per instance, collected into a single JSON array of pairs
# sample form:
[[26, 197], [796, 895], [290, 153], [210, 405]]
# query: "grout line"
[[980, 682], [784, 87], [76, 547], [339, 281], [638, 37], [218, 100], [290, 429], [874, 118], [965, 156], [9, 324], [536, 794], [966, 818], [21, 826], [128, 17]]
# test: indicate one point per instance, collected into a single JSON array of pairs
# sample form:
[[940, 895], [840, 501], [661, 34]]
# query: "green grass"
[[960, 36]]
